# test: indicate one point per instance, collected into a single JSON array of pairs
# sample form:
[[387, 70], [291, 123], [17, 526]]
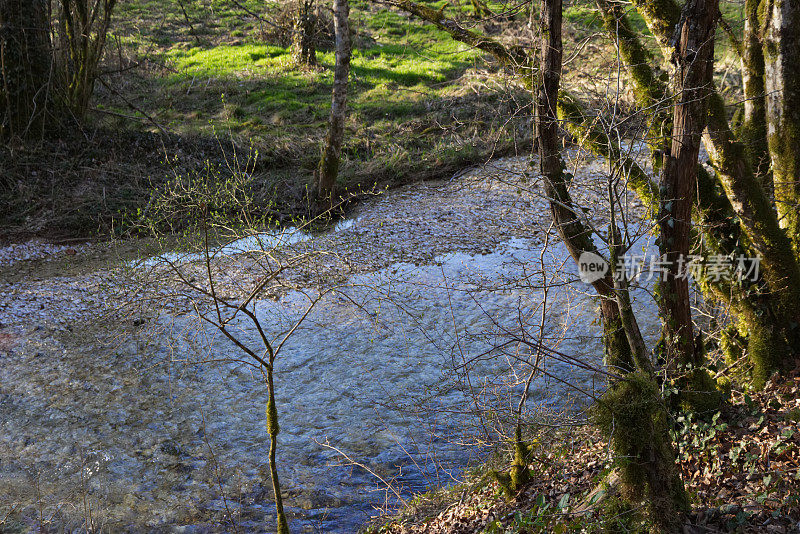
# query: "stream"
[[381, 392]]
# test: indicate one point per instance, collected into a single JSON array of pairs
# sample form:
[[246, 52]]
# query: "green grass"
[[253, 88], [229, 73], [421, 106]]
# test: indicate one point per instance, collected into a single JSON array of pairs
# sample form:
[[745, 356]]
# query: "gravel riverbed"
[[130, 422]]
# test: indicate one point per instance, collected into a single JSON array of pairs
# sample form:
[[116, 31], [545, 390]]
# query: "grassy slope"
[[419, 106], [422, 106]]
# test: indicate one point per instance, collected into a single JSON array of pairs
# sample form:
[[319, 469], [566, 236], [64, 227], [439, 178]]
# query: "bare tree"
[[83, 27], [331, 153], [231, 308]]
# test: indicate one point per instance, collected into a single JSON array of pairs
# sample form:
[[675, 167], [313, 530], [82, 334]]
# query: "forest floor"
[[741, 468]]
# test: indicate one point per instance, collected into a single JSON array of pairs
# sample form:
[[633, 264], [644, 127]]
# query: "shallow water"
[[374, 380], [168, 430]]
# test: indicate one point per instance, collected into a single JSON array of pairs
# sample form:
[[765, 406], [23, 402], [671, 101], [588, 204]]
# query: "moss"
[[660, 17], [784, 147], [584, 127], [753, 131], [700, 393], [519, 474], [632, 415], [617, 349], [725, 386], [620, 414], [766, 352], [272, 418], [732, 344], [759, 221], [618, 516]]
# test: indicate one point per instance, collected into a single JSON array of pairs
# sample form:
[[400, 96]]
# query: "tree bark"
[[754, 128], [303, 50], [331, 155], [574, 234], [775, 307], [25, 67], [781, 53], [694, 56]]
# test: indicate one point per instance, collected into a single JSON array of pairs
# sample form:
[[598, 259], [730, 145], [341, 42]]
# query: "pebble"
[[35, 250]]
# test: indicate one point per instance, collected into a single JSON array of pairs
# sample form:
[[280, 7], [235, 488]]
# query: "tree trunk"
[[273, 428], [650, 458], [781, 53], [25, 67], [754, 129], [303, 50], [694, 56], [331, 155], [574, 234], [775, 306], [84, 25]]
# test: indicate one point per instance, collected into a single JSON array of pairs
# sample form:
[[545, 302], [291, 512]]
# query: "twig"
[[388, 485], [133, 106]]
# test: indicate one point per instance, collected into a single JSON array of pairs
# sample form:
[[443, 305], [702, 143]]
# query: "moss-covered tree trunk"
[[331, 154], [781, 56], [642, 436], [649, 87], [25, 67], [273, 428], [773, 308], [754, 128], [304, 52]]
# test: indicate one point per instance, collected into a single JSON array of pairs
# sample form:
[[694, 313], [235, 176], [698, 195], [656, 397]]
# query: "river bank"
[[741, 468]]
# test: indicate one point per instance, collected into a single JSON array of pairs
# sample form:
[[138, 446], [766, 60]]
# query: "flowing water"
[[166, 431]]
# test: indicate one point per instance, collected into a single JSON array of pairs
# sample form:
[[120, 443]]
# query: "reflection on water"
[[157, 434]]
